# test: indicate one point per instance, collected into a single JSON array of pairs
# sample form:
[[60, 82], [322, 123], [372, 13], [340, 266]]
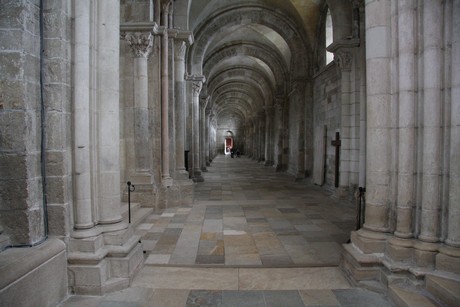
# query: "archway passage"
[[245, 214]]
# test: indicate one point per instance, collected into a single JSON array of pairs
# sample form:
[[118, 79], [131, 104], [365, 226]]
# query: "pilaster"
[[203, 120], [344, 55], [278, 103], [141, 44], [179, 64], [197, 85], [269, 135]]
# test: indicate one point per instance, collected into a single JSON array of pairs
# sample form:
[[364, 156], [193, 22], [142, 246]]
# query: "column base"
[[4, 242], [360, 268], [104, 263], [145, 192], [385, 263], [179, 194], [181, 175], [448, 259], [300, 176], [400, 250], [369, 242], [141, 178], [269, 163], [167, 181], [341, 193], [196, 177]]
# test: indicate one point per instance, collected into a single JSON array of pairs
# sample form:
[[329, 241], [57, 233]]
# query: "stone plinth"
[[104, 263], [35, 276]]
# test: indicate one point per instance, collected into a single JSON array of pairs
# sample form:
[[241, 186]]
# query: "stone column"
[[203, 104], [269, 148], [298, 100], [179, 58], [212, 145], [453, 231], [255, 137], [141, 44], [407, 116], [432, 121], [207, 137], [378, 59], [108, 121], [165, 174], [81, 117], [250, 128], [278, 133], [362, 111], [343, 55], [157, 11], [197, 84], [285, 134], [261, 132]]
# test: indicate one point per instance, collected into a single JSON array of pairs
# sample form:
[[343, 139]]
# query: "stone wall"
[[57, 98], [35, 108], [135, 10], [326, 110], [21, 197]]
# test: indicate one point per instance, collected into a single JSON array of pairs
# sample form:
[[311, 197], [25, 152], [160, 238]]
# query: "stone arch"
[[246, 15], [252, 83], [342, 19], [248, 74], [225, 100], [265, 54], [245, 91]]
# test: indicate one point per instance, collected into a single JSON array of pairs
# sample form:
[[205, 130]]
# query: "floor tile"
[[283, 298], [243, 298]]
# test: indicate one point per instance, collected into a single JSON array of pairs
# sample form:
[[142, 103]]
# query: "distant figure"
[[237, 153], [232, 153]]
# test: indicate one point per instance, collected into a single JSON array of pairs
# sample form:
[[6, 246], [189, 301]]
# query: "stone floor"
[[245, 214], [253, 237]]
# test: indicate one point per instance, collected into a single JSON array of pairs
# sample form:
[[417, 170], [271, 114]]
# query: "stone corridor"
[[253, 237]]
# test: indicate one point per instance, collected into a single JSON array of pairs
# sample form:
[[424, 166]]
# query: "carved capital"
[[196, 87], [344, 59], [343, 52], [197, 83], [179, 50], [204, 101], [278, 103], [141, 43]]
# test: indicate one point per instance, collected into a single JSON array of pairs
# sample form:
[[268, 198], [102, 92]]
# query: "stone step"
[[114, 284], [138, 213], [404, 295], [124, 208], [445, 289]]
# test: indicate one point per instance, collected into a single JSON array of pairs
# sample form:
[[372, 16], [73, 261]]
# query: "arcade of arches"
[[358, 99]]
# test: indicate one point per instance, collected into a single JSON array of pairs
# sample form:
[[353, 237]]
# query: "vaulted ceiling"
[[250, 51]]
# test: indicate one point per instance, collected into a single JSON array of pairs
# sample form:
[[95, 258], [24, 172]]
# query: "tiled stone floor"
[[246, 214], [141, 297], [253, 237]]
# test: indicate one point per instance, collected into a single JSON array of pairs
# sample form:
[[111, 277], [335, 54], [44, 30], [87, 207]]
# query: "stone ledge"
[[17, 262], [34, 276]]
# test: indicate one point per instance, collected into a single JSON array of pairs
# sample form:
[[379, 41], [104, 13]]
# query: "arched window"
[[329, 38]]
